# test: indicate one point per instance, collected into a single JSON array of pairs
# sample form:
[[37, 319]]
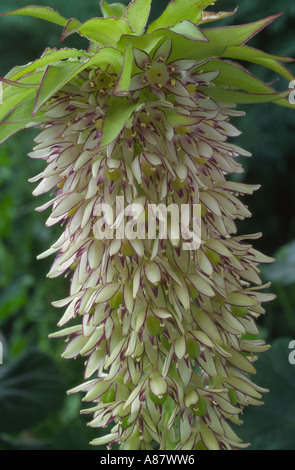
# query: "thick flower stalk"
[[144, 119]]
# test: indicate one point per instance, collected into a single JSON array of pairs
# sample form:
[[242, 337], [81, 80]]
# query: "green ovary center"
[[158, 74]]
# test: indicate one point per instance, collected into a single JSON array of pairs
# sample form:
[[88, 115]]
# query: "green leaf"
[[233, 96], [43, 13], [106, 56], [180, 10], [256, 56], [189, 30], [272, 426], [194, 48], [122, 85], [137, 14], [17, 119], [145, 42], [113, 9], [54, 77], [197, 50], [12, 100], [57, 75], [234, 75], [12, 87], [49, 56], [31, 387], [106, 31], [237, 35], [117, 116], [14, 84]]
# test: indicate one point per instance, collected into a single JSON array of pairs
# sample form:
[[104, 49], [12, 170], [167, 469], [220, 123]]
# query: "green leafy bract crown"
[[113, 39]]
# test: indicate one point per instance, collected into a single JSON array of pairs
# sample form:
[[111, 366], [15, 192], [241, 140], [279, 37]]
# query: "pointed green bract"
[[193, 47], [10, 102], [137, 14], [237, 35], [26, 82], [104, 31], [234, 75], [49, 56], [118, 114], [106, 57], [54, 77], [43, 13], [18, 118], [13, 96], [202, 50], [17, 84], [261, 58], [243, 97], [57, 75], [112, 9], [188, 30], [180, 10], [123, 83]]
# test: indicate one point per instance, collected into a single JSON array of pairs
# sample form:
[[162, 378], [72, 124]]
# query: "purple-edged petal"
[[137, 82], [176, 87], [142, 59], [163, 52]]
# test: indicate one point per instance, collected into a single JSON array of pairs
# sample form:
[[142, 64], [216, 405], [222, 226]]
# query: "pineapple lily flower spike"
[[144, 115]]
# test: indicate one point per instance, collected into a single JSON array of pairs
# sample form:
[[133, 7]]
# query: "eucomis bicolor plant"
[[145, 114]]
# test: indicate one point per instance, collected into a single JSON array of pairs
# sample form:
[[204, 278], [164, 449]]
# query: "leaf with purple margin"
[[54, 77], [13, 96], [117, 116], [179, 10], [256, 56], [43, 13], [49, 56], [243, 97], [188, 29], [106, 31], [237, 35], [137, 14], [192, 47], [57, 75], [122, 85], [234, 75], [17, 119], [112, 9]]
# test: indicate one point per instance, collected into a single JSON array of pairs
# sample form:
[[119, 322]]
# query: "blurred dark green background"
[[35, 412]]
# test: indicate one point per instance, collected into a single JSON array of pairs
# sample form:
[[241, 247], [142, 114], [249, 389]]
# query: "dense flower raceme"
[[162, 329], [160, 326]]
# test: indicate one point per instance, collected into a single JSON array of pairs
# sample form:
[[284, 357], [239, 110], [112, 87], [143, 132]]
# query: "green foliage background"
[[35, 412]]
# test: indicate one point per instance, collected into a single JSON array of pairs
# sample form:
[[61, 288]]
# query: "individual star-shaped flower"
[[158, 74]]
